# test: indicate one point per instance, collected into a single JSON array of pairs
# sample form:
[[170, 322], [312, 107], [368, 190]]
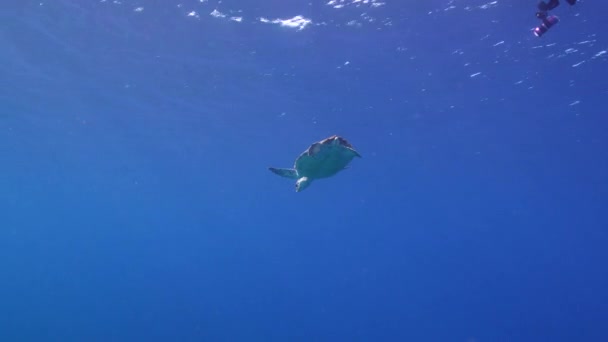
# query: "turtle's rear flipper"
[[288, 173]]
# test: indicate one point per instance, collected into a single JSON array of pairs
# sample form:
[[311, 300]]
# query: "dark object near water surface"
[[547, 23]]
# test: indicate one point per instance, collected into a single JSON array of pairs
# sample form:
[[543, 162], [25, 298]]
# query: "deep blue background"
[[136, 204]]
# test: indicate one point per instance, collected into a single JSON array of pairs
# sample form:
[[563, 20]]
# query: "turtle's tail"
[[288, 173]]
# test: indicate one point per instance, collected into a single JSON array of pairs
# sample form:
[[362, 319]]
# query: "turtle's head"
[[302, 183]]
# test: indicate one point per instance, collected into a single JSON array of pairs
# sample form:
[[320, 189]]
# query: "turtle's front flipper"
[[288, 173]]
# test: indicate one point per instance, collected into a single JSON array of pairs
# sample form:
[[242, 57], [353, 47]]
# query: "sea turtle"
[[321, 160]]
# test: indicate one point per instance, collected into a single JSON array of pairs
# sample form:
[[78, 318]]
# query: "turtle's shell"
[[325, 158]]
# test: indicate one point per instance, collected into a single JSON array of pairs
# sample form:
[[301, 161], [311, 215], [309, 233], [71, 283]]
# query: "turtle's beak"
[[302, 183]]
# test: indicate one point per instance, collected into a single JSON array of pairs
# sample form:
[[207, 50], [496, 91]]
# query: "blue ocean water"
[[136, 202]]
